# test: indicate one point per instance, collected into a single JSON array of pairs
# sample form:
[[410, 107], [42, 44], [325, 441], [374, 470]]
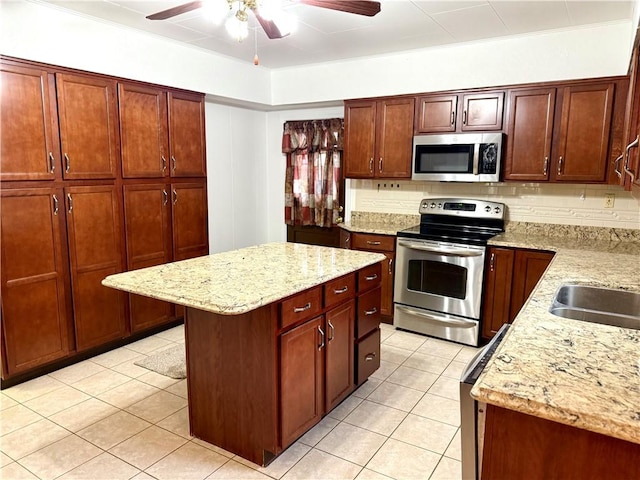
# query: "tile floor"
[[106, 418]]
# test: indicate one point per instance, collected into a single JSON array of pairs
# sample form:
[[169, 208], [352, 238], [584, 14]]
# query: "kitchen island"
[[276, 336]]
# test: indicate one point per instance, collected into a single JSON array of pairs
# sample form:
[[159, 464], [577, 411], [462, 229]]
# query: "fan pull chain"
[[256, 60]]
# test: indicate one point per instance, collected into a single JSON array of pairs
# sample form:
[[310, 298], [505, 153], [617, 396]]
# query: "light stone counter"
[[577, 373], [242, 280]]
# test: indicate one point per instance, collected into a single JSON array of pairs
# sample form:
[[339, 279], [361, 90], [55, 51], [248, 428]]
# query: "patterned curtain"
[[314, 156]]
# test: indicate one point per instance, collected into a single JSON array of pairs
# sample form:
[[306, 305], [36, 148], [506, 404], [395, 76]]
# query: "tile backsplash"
[[576, 204]]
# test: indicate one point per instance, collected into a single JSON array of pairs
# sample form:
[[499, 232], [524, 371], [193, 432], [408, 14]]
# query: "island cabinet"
[[378, 138], [468, 112]]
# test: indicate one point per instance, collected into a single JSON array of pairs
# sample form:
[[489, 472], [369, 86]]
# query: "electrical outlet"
[[609, 200]]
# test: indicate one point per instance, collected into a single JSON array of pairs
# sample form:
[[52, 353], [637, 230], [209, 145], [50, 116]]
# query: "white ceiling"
[[325, 35]]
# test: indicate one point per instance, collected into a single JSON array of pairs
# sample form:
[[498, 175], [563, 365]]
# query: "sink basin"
[[599, 305]]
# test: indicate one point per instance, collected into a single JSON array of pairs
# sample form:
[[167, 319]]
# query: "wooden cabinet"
[[189, 211], [96, 251], [627, 165], [339, 360], [511, 275], [378, 138], [35, 274], [559, 134], [186, 135], [467, 112]]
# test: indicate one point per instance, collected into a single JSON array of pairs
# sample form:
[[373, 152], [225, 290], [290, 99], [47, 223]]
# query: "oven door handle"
[[458, 322], [450, 252]]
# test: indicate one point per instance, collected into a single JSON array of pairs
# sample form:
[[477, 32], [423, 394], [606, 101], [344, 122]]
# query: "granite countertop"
[[577, 373], [236, 282]]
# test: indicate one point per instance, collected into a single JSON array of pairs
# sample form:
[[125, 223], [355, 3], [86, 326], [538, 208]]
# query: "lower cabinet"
[[511, 275]]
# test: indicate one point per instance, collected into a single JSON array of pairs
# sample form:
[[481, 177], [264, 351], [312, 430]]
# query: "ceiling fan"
[[271, 26]]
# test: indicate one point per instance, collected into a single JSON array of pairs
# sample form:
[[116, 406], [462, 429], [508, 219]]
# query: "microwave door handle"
[[451, 252], [458, 322], [476, 158]]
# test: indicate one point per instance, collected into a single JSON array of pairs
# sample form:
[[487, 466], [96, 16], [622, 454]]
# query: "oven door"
[[441, 276]]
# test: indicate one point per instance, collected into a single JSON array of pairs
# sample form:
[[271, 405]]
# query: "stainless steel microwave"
[[464, 157]]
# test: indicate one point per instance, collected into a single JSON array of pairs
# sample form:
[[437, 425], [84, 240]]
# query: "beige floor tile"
[[130, 369], [402, 461], [396, 396], [233, 470], [367, 474], [440, 348], [128, 393], [33, 388], [83, 414], [15, 471], [31, 438], [56, 401], [447, 469], [413, 378], [427, 363], [393, 354], [157, 407], [215, 448], [455, 447], [281, 465], [157, 380], [147, 447], [352, 443], [454, 370], [376, 418], [317, 433], [466, 354], [179, 388], [143, 476], [317, 465], [100, 382], [367, 387], [345, 408], [75, 373], [60, 457], [4, 460], [189, 462], [148, 345], [16, 417], [6, 402], [446, 387], [438, 408], [103, 467], [405, 340], [385, 369], [112, 430], [115, 357], [386, 331], [175, 334], [425, 433], [177, 423]]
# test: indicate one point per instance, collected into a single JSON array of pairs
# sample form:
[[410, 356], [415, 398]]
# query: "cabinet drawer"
[[301, 306], [340, 289], [368, 312], [369, 277], [368, 356], [378, 243]]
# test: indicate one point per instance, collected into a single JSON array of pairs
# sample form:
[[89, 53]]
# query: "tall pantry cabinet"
[[80, 201]]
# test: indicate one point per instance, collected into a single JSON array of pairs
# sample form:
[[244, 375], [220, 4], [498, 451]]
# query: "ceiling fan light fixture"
[[236, 27]]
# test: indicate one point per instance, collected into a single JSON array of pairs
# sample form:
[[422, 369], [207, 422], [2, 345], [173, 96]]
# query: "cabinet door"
[[359, 140], [436, 114], [529, 266], [186, 135], [529, 134], [148, 235], [189, 211], [95, 249], [28, 138], [143, 131], [88, 120], [482, 111], [394, 141], [35, 278], [339, 357], [386, 302], [497, 290], [301, 379], [583, 144]]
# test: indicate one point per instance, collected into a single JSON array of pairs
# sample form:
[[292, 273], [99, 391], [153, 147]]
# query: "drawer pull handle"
[[373, 311], [341, 290], [369, 242], [371, 277], [616, 162], [321, 346], [173, 163], [164, 163], [67, 163], [56, 205], [369, 357], [52, 163], [302, 309], [333, 330]]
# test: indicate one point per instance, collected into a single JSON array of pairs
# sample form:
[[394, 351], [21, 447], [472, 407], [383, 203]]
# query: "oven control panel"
[[462, 207]]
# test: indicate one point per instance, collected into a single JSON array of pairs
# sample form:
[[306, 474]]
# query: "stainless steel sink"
[[599, 305]]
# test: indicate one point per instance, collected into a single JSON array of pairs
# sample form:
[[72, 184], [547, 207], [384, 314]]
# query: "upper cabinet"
[[560, 134], [378, 138], [186, 135], [459, 113], [627, 164]]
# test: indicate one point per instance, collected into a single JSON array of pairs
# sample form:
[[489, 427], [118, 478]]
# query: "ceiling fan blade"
[[172, 12], [269, 27], [359, 7]]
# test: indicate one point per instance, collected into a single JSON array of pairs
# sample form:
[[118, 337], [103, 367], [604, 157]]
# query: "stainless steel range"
[[440, 268]]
